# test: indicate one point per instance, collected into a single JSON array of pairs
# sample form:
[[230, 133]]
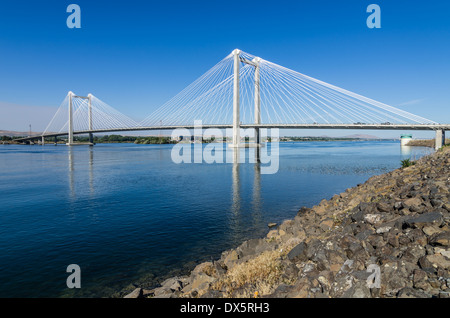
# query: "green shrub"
[[407, 163]]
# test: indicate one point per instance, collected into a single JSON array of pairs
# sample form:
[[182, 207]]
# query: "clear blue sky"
[[135, 55]]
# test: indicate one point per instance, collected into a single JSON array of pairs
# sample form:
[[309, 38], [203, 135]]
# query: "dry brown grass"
[[425, 142], [258, 275]]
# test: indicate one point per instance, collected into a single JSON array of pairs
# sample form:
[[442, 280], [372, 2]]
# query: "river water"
[[127, 213]]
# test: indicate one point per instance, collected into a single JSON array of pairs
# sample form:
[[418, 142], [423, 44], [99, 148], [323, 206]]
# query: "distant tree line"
[[125, 139], [154, 140], [108, 138], [317, 139]]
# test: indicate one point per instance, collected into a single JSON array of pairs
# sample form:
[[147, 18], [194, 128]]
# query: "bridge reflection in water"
[[71, 170], [238, 207], [81, 181]]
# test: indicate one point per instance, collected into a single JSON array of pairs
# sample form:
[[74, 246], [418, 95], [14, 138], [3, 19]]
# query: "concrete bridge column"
[[236, 104], [440, 139], [91, 136], [257, 110], [70, 133], [257, 102]]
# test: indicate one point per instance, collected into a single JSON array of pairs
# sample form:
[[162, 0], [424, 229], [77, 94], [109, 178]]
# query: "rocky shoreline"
[[388, 238]]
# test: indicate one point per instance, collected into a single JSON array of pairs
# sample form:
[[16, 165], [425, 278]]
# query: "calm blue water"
[[126, 213]]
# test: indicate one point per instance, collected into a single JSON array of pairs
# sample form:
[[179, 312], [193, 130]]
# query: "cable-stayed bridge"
[[243, 91]]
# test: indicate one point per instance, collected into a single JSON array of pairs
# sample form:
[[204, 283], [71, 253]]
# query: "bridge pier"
[[90, 119], [440, 139], [257, 102], [70, 136], [91, 136], [43, 141], [257, 110], [236, 102]]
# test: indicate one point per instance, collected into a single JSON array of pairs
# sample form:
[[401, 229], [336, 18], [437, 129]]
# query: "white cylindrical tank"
[[404, 139]]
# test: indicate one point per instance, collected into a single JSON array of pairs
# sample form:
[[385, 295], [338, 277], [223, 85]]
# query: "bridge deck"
[[261, 126]]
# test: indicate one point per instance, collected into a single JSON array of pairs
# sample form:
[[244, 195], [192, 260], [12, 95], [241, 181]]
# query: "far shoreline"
[[425, 143]]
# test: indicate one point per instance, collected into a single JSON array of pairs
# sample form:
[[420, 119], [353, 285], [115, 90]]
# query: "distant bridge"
[[243, 91]]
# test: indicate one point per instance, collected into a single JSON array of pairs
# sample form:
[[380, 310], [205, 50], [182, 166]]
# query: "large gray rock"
[[394, 278], [432, 218], [414, 204], [440, 239], [409, 292], [298, 253], [313, 247], [212, 294], [384, 206], [252, 247], [420, 280], [137, 293], [439, 261], [358, 290], [161, 292], [173, 284]]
